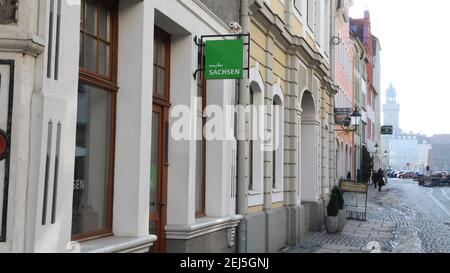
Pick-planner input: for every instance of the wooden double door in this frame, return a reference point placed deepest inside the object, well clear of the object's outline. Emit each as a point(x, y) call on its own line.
point(158, 183)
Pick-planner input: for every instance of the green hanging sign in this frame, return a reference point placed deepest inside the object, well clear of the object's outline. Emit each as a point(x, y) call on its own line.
point(224, 59)
point(387, 130)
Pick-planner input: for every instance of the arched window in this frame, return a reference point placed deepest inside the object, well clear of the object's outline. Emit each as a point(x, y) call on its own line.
point(277, 141)
point(256, 149)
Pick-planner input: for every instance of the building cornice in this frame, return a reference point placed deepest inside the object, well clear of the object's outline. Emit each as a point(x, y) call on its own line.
point(202, 227)
point(25, 43)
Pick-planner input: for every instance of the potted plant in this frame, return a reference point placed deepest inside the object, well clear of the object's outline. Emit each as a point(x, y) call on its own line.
point(342, 214)
point(332, 219)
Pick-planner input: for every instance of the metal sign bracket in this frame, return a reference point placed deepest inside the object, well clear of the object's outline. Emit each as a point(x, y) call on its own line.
point(200, 42)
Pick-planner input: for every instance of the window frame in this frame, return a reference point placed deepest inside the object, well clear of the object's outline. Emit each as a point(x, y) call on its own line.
point(107, 84)
point(105, 81)
point(310, 10)
point(296, 7)
point(165, 98)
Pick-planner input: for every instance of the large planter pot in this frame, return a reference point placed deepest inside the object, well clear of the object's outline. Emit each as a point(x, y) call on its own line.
point(331, 224)
point(342, 220)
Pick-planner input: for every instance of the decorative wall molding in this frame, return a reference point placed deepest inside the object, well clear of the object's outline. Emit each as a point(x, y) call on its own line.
point(201, 227)
point(25, 43)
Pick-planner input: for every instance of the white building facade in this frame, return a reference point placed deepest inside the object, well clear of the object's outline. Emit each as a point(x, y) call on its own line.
point(91, 90)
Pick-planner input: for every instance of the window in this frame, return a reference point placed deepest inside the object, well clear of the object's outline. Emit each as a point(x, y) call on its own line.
point(317, 22)
point(374, 133)
point(298, 5)
point(252, 137)
point(96, 37)
point(310, 14)
point(6, 110)
point(94, 152)
point(274, 152)
point(277, 140)
point(161, 64)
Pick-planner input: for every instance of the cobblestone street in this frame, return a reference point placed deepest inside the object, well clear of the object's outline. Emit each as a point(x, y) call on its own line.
point(404, 218)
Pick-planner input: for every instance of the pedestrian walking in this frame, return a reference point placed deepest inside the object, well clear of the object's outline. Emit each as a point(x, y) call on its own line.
point(359, 176)
point(380, 176)
point(349, 176)
point(375, 178)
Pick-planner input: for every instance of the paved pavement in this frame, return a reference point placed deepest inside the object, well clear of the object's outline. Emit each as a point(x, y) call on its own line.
point(404, 218)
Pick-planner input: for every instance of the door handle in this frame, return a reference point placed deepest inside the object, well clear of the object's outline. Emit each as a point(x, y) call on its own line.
point(162, 205)
point(166, 148)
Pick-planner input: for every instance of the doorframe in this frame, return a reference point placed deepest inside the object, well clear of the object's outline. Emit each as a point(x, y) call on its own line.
point(162, 102)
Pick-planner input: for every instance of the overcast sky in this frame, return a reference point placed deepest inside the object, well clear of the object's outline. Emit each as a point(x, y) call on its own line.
point(415, 43)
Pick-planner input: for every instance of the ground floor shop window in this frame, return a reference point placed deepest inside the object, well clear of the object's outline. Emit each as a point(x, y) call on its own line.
point(91, 214)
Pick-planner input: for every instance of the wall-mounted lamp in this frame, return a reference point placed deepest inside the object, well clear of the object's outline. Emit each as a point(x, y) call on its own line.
point(335, 40)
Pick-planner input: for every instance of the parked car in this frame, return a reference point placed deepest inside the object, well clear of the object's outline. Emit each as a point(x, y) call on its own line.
point(400, 174)
point(418, 176)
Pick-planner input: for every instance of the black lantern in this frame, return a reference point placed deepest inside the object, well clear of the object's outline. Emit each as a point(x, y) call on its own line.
point(356, 117)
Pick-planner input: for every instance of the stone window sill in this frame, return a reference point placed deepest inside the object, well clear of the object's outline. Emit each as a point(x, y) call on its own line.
point(115, 244)
point(201, 227)
point(3, 248)
point(253, 193)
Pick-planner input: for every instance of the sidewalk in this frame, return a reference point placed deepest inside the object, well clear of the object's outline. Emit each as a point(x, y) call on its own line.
point(357, 237)
point(378, 234)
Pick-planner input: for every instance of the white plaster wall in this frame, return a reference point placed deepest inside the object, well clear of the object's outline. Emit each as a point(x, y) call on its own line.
point(133, 128)
point(56, 101)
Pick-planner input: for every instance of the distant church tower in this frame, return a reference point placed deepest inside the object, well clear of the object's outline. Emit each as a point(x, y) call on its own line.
point(391, 110)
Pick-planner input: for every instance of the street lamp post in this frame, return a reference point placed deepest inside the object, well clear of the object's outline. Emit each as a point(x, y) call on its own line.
point(376, 156)
point(386, 165)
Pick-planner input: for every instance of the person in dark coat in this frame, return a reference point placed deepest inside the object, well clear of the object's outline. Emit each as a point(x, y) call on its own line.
point(349, 176)
point(359, 176)
point(375, 178)
point(380, 176)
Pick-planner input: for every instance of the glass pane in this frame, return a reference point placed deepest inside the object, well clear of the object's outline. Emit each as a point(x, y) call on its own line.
point(91, 24)
point(154, 172)
point(159, 81)
point(81, 49)
point(90, 210)
point(104, 21)
point(161, 53)
point(274, 167)
point(103, 59)
point(199, 177)
point(250, 175)
point(153, 229)
point(82, 15)
point(90, 54)
point(155, 50)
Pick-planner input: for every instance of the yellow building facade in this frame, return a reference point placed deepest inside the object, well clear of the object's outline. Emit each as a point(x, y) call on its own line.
point(290, 67)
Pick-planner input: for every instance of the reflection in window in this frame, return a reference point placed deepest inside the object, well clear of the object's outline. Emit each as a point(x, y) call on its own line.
point(90, 187)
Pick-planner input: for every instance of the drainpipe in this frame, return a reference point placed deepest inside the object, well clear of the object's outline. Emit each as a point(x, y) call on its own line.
point(333, 73)
point(243, 142)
